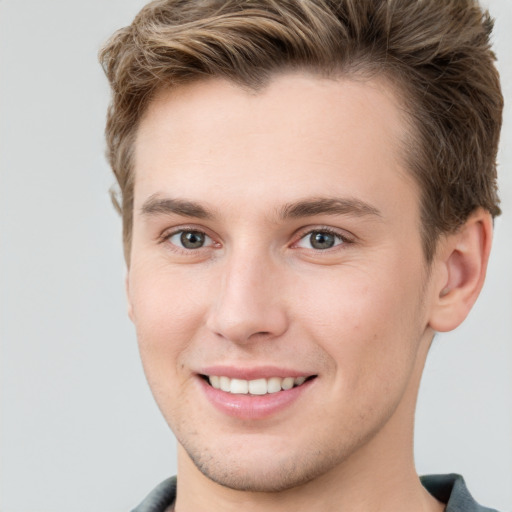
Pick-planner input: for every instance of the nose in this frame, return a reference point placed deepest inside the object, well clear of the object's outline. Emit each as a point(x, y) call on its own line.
point(249, 305)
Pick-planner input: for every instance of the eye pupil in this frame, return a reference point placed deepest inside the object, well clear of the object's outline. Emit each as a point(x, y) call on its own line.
point(192, 239)
point(322, 240)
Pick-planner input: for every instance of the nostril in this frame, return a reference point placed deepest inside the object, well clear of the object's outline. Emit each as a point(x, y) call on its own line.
point(261, 334)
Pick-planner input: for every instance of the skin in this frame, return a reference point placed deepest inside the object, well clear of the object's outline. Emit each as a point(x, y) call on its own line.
point(360, 316)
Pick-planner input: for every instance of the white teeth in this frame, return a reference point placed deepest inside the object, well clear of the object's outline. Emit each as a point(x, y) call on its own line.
point(299, 380)
point(274, 385)
point(225, 384)
point(255, 387)
point(287, 383)
point(239, 387)
point(258, 387)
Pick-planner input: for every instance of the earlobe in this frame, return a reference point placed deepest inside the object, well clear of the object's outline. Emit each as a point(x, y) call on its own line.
point(461, 264)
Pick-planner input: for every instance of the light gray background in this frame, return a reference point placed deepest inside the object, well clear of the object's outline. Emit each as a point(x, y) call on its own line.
point(80, 431)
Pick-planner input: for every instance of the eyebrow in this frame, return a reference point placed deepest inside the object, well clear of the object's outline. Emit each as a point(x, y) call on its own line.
point(155, 205)
point(328, 206)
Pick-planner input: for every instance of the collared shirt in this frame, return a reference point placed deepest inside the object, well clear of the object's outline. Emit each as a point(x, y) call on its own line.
point(449, 489)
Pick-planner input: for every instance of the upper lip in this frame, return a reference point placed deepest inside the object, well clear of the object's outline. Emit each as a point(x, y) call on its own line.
point(258, 372)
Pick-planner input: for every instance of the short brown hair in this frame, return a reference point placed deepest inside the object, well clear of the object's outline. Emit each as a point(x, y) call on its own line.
point(437, 51)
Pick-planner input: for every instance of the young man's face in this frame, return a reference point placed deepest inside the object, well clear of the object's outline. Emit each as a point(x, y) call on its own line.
point(276, 238)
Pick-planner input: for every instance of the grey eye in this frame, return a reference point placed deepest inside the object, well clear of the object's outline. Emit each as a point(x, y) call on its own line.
point(190, 239)
point(320, 240)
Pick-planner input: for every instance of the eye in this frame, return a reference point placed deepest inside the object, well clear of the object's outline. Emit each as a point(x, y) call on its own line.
point(190, 239)
point(320, 240)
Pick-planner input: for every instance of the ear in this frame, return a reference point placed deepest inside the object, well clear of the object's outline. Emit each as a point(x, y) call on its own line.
point(460, 266)
point(128, 297)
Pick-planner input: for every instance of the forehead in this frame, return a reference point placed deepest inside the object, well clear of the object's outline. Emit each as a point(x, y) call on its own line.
point(299, 131)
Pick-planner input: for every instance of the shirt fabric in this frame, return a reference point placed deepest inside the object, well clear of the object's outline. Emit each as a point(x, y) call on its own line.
point(449, 489)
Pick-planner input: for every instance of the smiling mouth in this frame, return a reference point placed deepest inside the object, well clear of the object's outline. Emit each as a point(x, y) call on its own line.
point(256, 386)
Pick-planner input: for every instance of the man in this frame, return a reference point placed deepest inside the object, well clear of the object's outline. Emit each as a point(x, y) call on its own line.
point(307, 192)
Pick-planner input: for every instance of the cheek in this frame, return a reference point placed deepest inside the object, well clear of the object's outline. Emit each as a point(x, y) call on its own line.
point(164, 302)
point(369, 324)
point(166, 313)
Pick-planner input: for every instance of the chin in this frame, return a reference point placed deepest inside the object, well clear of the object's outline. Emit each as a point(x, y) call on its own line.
point(259, 472)
point(265, 478)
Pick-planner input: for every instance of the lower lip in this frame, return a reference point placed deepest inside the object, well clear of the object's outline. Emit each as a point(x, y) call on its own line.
point(252, 407)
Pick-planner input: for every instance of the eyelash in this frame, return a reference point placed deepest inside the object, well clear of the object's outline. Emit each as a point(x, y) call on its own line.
point(166, 236)
point(344, 239)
